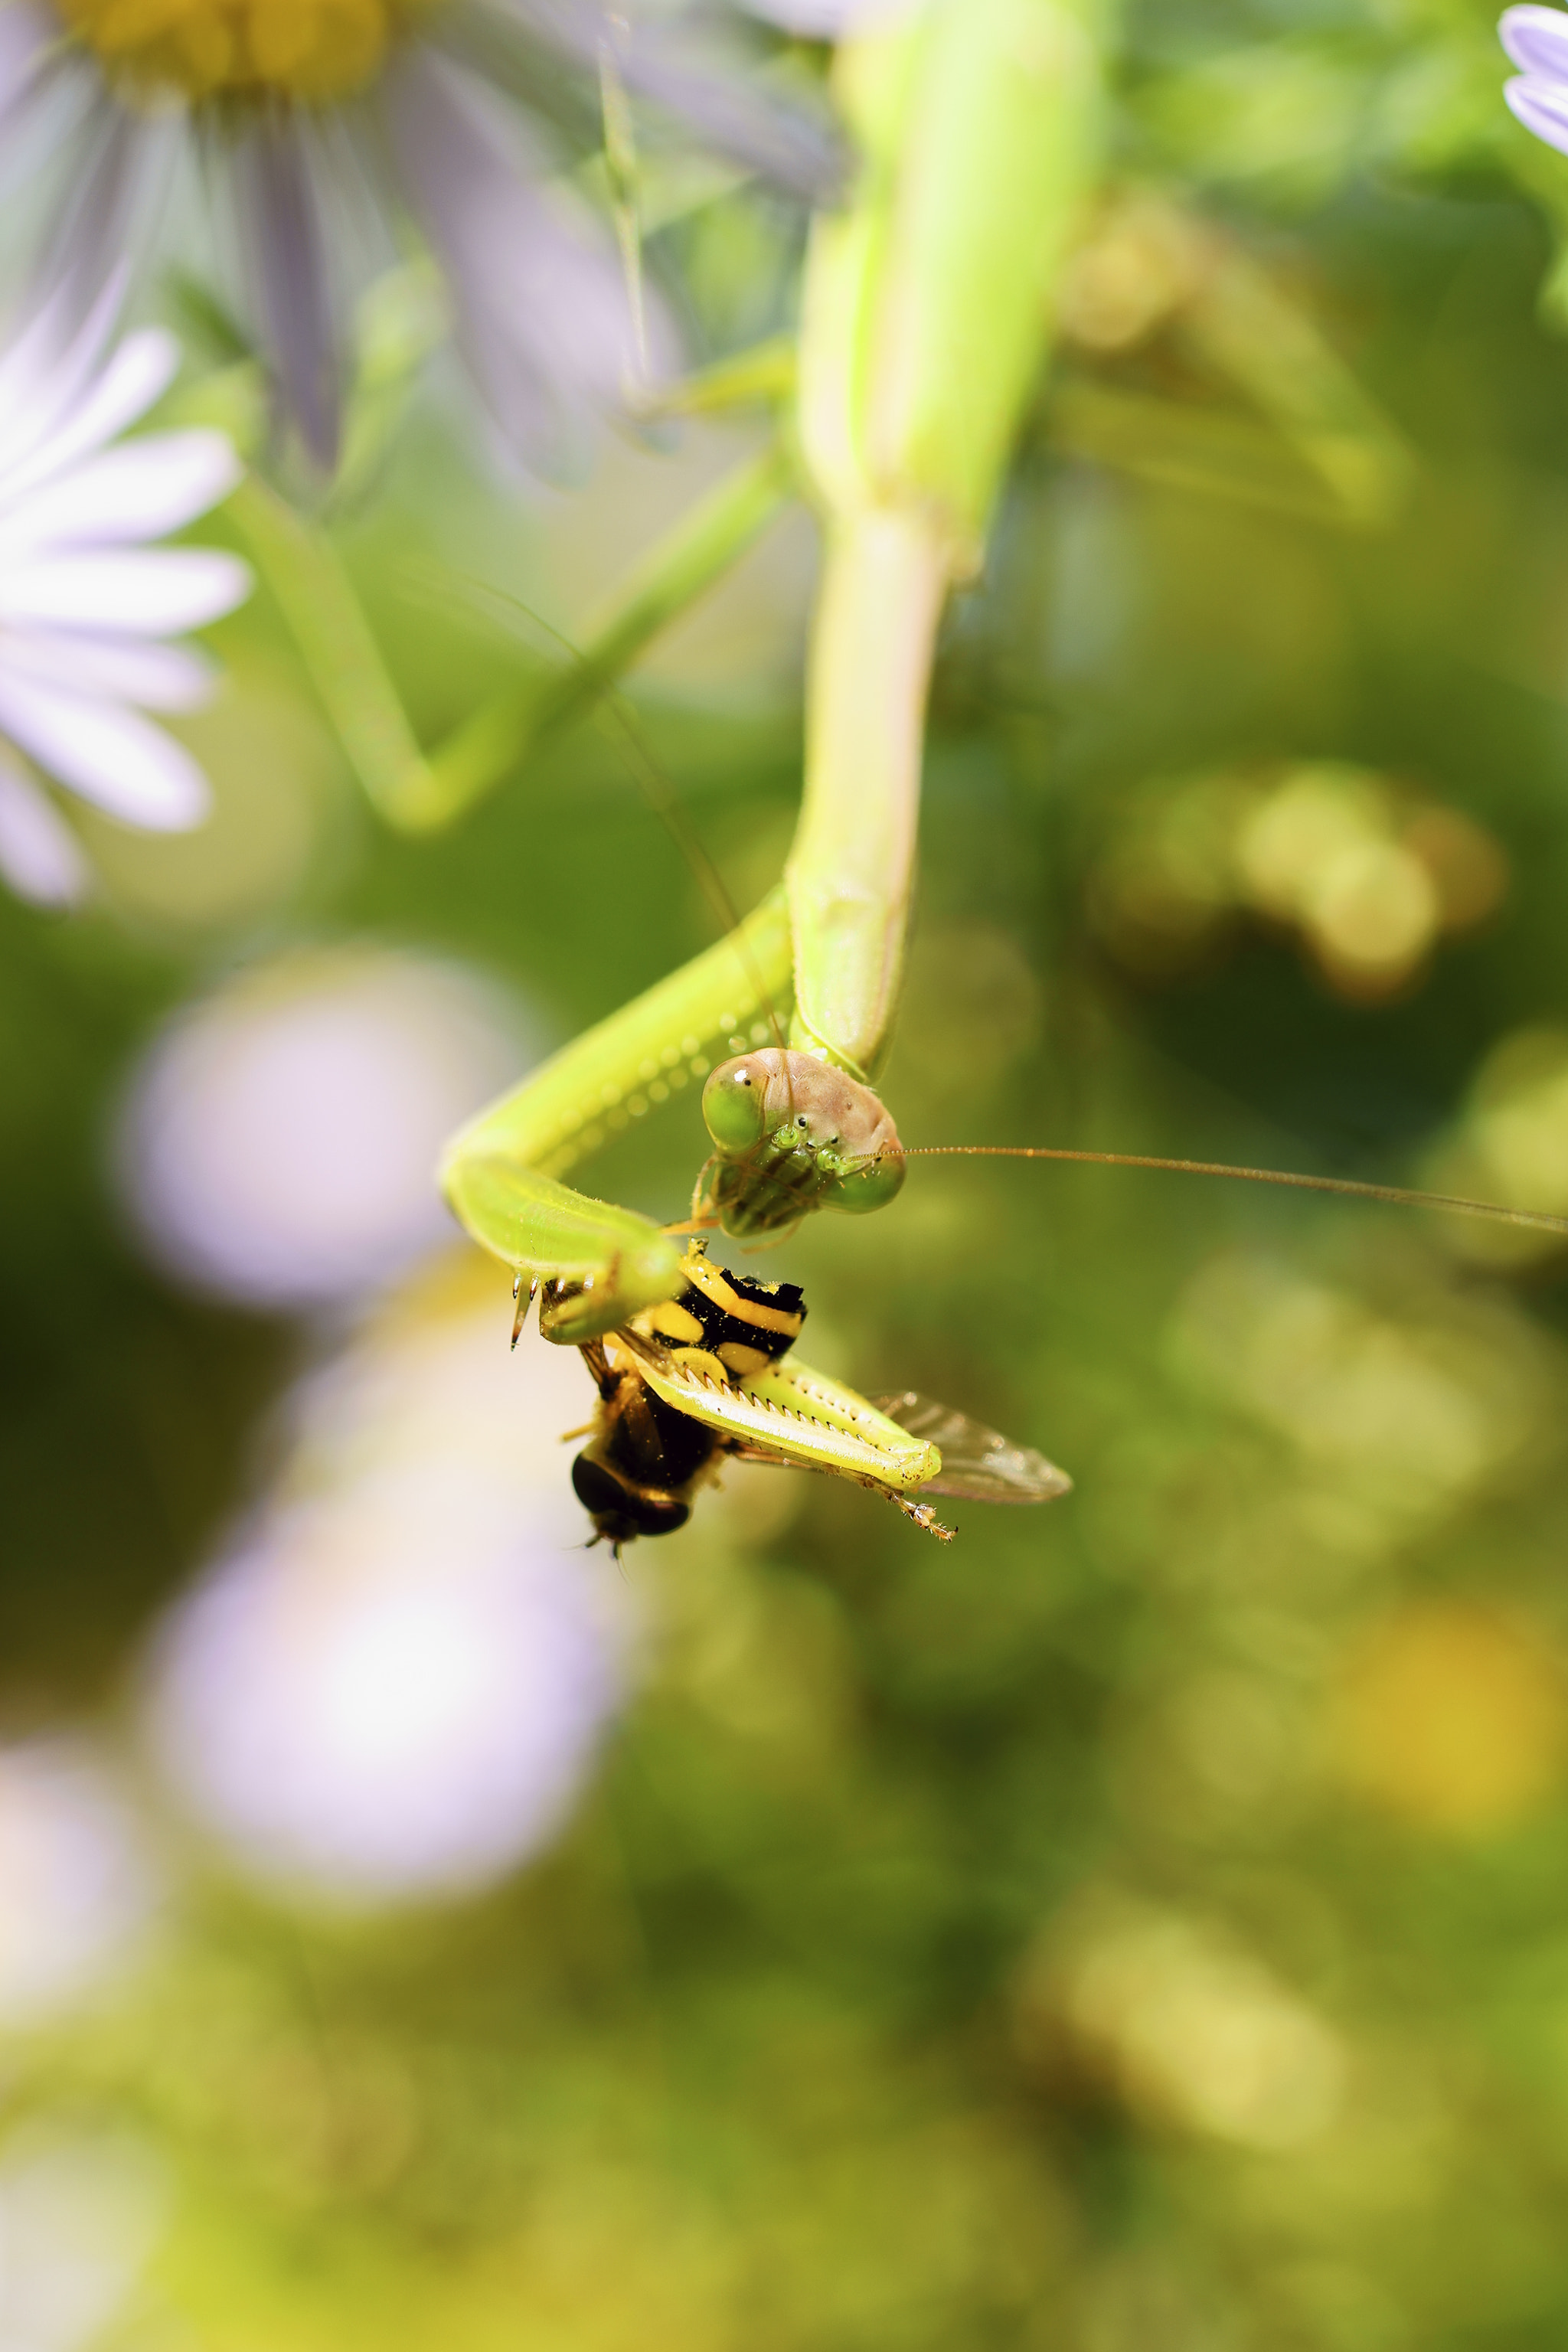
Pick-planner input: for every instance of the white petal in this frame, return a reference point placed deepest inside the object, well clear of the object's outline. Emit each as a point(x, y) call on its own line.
point(50, 365)
point(113, 758)
point(140, 370)
point(25, 40)
point(136, 492)
point(1537, 40)
point(158, 677)
point(1542, 107)
point(39, 855)
point(145, 595)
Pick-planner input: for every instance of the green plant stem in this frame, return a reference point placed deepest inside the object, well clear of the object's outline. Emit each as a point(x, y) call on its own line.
point(318, 604)
point(418, 793)
point(700, 548)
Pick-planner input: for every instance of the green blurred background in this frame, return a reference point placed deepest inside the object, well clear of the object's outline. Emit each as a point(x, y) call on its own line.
point(1144, 1922)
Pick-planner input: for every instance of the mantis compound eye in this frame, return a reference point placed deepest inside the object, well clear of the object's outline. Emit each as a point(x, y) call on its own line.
point(734, 1105)
point(871, 1187)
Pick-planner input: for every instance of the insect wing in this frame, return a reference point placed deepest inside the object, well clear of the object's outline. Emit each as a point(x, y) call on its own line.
point(976, 1463)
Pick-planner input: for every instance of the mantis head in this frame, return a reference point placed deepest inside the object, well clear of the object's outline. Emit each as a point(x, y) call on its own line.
point(792, 1132)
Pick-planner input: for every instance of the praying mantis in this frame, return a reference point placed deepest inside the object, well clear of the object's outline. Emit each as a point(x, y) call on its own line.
point(927, 307)
point(927, 311)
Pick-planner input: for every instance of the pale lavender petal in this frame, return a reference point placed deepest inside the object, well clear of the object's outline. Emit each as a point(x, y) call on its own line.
point(48, 365)
point(158, 677)
point(280, 227)
point(542, 315)
point(1542, 107)
point(25, 37)
point(140, 373)
point(1537, 40)
point(154, 593)
point(117, 198)
point(121, 763)
point(136, 492)
point(39, 855)
point(732, 111)
point(706, 78)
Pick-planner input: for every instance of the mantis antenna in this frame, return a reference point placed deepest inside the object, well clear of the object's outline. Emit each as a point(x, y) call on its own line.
point(661, 799)
point(643, 766)
point(655, 789)
point(1537, 1220)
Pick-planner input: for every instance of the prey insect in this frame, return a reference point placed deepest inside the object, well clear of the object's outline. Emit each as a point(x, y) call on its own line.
point(707, 1376)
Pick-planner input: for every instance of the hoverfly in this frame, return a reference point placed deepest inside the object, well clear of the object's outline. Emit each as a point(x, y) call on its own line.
point(707, 1376)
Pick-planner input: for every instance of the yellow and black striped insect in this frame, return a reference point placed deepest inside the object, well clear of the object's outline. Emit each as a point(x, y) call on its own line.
point(701, 1379)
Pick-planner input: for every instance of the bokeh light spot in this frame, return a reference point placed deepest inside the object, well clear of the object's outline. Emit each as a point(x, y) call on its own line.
point(77, 1883)
point(281, 1138)
point(1454, 1718)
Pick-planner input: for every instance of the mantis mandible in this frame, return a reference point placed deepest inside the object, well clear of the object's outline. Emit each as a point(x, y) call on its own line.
point(927, 313)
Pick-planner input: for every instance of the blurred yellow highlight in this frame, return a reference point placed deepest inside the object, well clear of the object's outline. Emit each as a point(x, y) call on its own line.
point(1413, 1409)
point(306, 50)
point(1184, 2024)
point(1317, 854)
point(1454, 1718)
point(273, 772)
point(1369, 878)
point(1511, 1144)
point(1145, 260)
point(1293, 426)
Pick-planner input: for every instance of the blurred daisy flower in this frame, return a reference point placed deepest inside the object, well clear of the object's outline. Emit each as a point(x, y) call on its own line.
point(394, 1684)
point(331, 126)
point(89, 608)
point(1537, 41)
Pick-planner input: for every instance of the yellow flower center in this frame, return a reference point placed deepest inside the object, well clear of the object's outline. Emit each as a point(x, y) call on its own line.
point(310, 51)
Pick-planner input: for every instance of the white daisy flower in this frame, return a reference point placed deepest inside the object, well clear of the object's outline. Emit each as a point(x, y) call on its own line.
point(90, 609)
point(328, 126)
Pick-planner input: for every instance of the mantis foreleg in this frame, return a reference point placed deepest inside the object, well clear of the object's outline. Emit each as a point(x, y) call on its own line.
point(502, 1171)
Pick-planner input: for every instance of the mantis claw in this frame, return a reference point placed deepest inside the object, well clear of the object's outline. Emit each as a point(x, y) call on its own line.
point(521, 1318)
point(599, 1265)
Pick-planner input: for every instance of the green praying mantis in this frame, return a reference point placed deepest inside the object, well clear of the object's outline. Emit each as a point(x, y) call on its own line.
point(927, 308)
